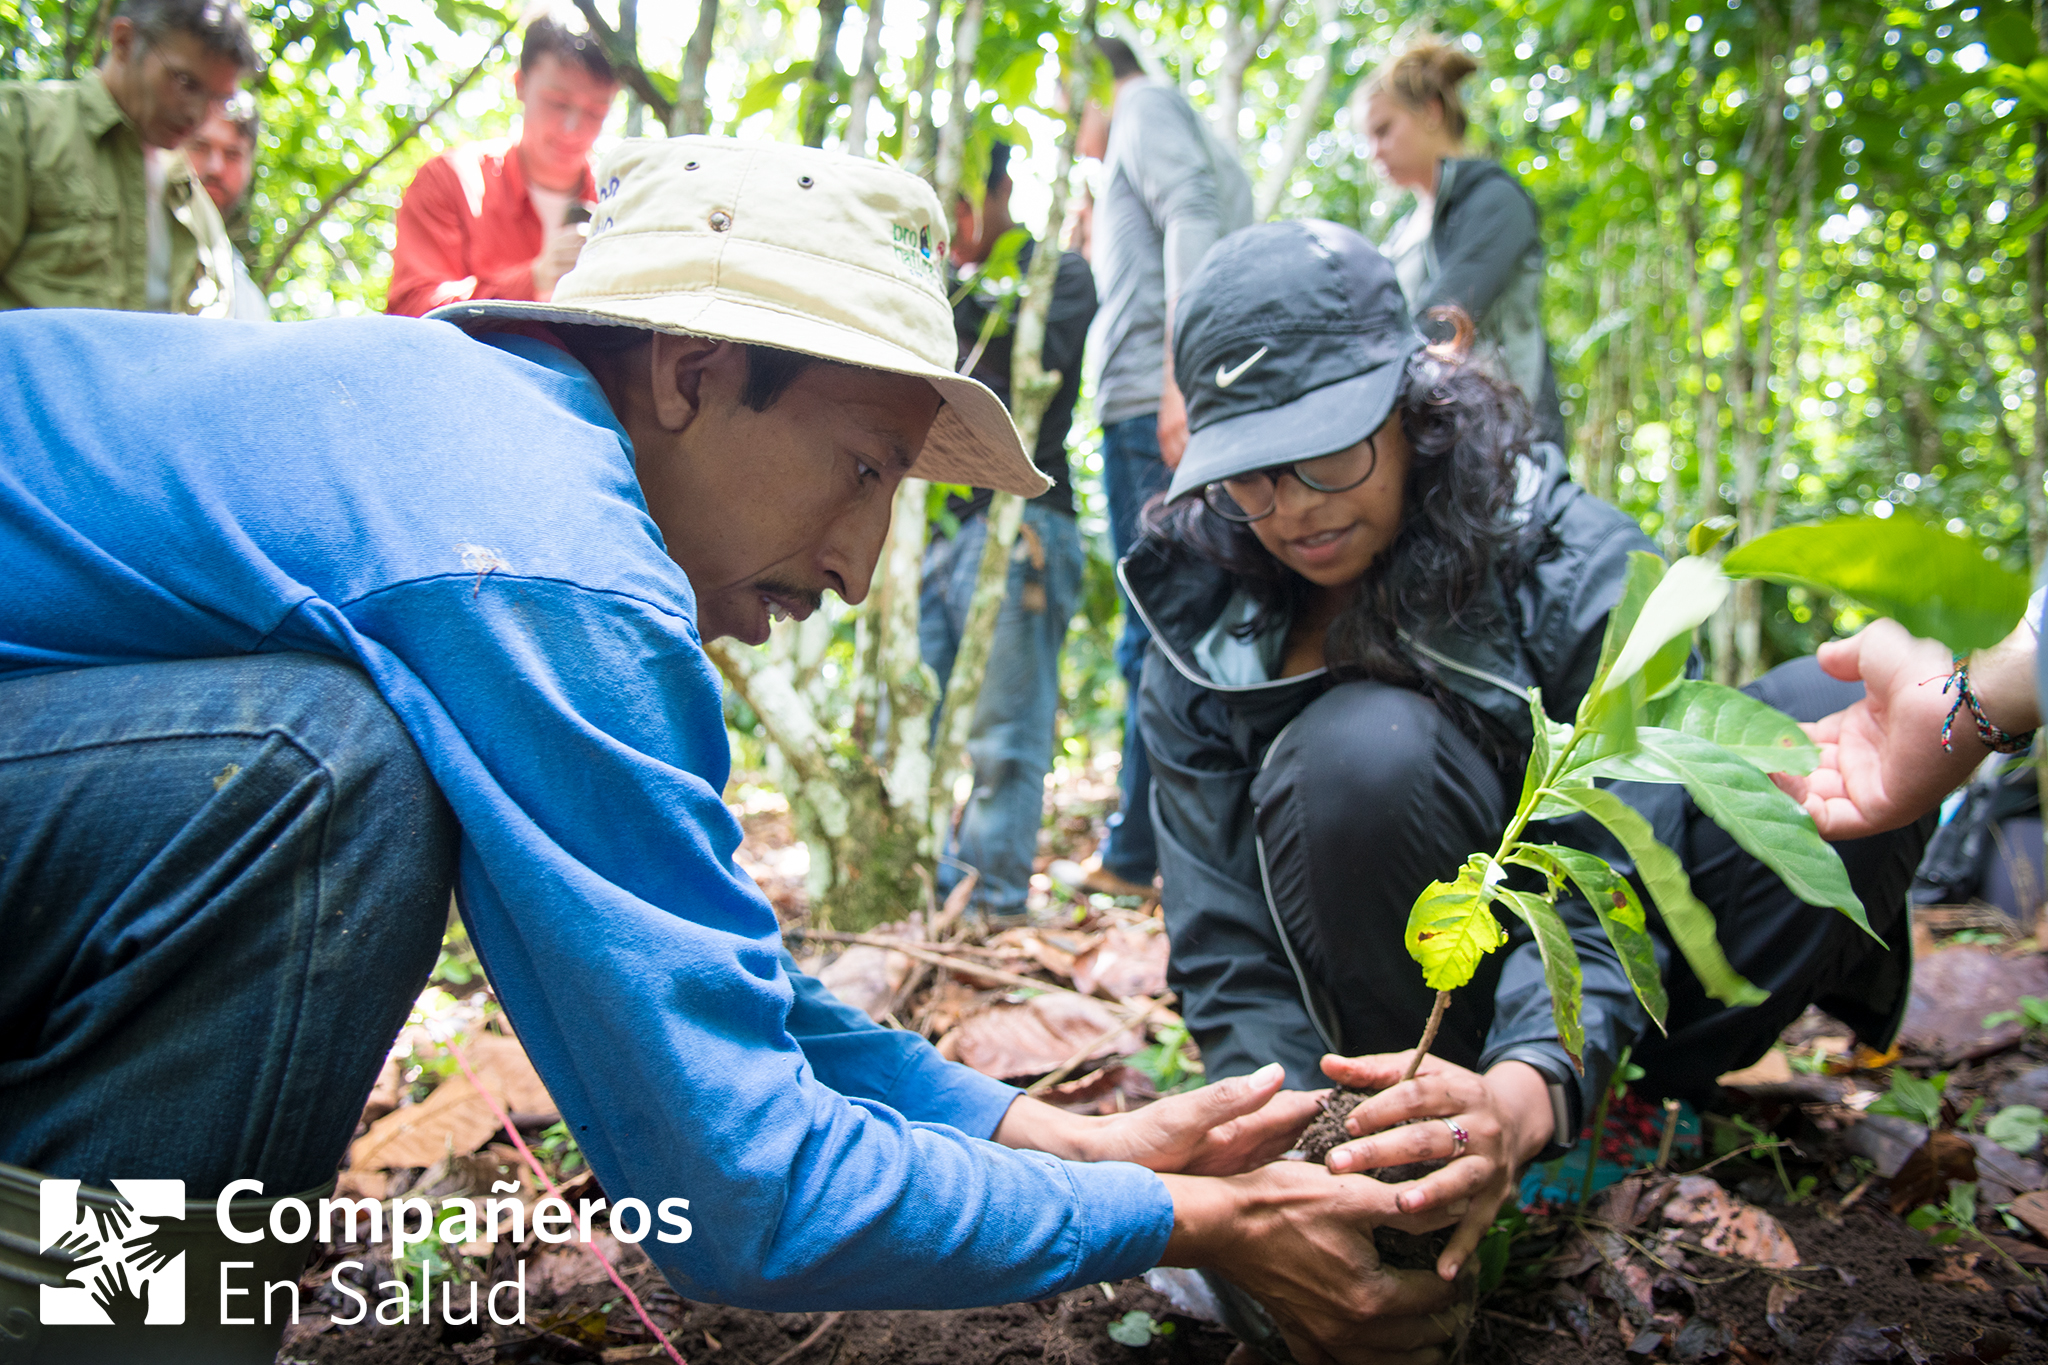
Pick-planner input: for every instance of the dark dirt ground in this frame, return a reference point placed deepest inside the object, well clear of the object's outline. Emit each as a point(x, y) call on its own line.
point(1069, 1330)
point(1846, 1280)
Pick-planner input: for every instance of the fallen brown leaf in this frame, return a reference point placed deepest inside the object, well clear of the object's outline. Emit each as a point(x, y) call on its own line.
point(456, 1118)
point(1128, 960)
point(1925, 1177)
point(1015, 1041)
point(1728, 1225)
point(2032, 1209)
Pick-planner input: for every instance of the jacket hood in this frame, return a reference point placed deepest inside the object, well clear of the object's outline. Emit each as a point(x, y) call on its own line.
point(1458, 177)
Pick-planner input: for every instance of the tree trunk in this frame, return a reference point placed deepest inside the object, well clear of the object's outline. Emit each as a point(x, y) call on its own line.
point(1805, 25)
point(1306, 117)
point(1707, 421)
point(1244, 36)
point(820, 93)
point(922, 153)
point(855, 139)
point(691, 113)
point(949, 164)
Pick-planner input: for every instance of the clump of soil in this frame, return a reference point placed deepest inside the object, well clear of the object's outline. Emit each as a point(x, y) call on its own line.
point(1398, 1249)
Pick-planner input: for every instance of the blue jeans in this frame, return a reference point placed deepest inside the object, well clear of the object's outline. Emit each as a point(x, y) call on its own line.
point(222, 885)
point(1132, 473)
point(1015, 716)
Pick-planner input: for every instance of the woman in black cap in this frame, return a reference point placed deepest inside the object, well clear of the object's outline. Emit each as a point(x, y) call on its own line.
point(1362, 565)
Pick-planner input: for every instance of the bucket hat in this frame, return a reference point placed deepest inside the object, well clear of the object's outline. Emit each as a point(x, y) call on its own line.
point(817, 252)
point(1290, 341)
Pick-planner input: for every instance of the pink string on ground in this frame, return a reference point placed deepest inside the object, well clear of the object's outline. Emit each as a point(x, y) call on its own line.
point(541, 1175)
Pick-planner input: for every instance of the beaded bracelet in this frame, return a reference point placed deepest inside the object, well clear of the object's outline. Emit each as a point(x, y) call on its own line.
point(1993, 738)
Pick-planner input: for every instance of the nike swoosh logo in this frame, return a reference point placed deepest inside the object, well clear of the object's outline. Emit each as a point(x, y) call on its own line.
point(1226, 375)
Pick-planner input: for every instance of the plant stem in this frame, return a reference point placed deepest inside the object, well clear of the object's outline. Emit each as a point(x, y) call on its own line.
point(1593, 1152)
point(1436, 1019)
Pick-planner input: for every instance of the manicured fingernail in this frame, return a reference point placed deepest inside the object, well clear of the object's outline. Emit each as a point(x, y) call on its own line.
point(1340, 1161)
point(1266, 1074)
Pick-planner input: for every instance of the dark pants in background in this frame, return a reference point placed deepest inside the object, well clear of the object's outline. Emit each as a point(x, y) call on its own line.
point(1372, 793)
point(1132, 473)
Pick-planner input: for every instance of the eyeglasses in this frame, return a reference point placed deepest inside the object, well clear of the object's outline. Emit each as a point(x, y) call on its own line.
point(1252, 497)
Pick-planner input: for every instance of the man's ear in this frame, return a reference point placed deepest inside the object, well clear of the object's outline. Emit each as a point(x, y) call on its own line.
point(121, 41)
point(519, 86)
point(677, 365)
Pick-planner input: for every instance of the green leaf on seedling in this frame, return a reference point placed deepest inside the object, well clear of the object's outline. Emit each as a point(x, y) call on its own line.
point(1560, 966)
point(1645, 571)
point(1539, 748)
point(2017, 1128)
point(1135, 1328)
point(1705, 535)
point(1691, 923)
point(1770, 826)
point(1687, 594)
point(1932, 582)
point(1754, 731)
point(1450, 929)
point(1621, 914)
point(1910, 1097)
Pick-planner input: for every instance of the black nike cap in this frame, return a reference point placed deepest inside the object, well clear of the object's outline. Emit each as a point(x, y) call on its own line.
point(1289, 342)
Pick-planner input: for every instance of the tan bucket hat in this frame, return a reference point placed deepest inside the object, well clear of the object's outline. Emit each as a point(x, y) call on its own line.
point(830, 255)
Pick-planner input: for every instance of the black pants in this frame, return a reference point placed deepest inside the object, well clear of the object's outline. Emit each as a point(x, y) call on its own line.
point(1372, 793)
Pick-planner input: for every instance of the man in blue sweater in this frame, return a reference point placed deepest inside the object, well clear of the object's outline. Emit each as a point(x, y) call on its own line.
point(303, 623)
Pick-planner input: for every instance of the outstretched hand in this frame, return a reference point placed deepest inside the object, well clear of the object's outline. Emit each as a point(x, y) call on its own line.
point(1881, 761)
point(1505, 1116)
point(1221, 1129)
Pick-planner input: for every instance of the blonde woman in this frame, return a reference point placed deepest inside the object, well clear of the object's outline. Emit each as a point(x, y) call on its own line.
point(1474, 238)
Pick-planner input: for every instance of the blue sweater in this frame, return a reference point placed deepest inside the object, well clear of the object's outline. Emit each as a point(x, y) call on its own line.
point(460, 520)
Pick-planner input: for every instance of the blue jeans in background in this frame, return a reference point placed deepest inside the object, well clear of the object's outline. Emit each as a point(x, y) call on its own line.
point(1132, 473)
point(223, 883)
point(1017, 713)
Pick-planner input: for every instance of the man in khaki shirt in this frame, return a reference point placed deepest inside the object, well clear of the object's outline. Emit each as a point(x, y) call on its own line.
point(94, 210)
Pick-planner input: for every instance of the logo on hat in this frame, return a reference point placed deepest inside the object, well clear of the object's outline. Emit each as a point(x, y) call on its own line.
point(1226, 375)
point(120, 1272)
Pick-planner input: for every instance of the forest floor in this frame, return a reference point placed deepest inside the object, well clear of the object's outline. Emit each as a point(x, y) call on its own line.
point(1838, 1207)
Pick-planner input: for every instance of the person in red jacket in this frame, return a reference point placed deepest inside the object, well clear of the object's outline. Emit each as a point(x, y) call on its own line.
point(504, 220)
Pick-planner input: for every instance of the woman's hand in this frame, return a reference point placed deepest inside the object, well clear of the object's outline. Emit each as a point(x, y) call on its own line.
point(1222, 1129)
point(1505, 1116)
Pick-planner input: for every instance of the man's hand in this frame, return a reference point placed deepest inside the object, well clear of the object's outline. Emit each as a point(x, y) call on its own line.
point(557, 258)
point(1505, 1114)
point(1173, 422)
point(1221, 1129)
point(1299, 1240)
point(1881, 760)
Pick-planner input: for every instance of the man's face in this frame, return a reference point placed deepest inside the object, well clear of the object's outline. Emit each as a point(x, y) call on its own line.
point(766, 511)
point(167, 88)
point(565, 109)
point(222, 159)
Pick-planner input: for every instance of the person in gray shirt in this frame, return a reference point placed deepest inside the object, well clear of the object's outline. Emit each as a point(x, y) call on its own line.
point(1171, 191)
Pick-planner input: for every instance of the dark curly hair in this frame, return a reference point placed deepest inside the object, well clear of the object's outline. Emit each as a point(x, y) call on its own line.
point(1465, 431)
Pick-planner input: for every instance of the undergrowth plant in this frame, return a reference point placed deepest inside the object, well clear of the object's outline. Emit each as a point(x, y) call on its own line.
point(1643, 720)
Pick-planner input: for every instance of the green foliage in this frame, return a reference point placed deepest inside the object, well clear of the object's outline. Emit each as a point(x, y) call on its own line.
point(557, 1150)
point(1165, 1062)
point(1136, 1328)
point(2017, 1127)
point(2033, 1012)
point(1946, 1223)
point(1931, 581)
point(1450, 929)
point(1910, 1097)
